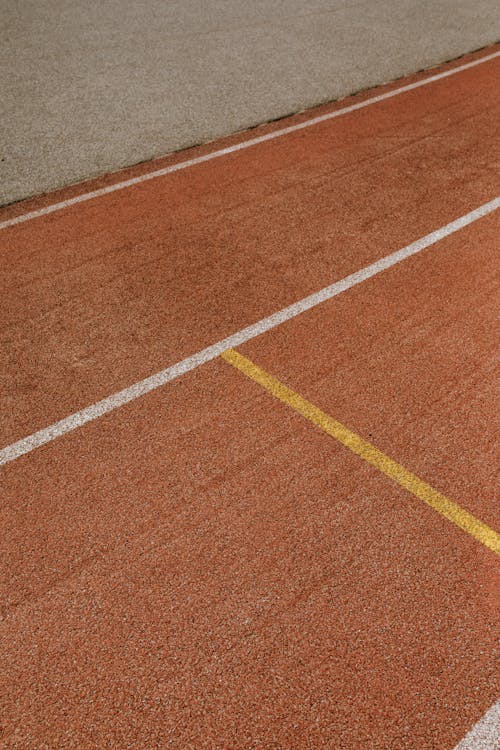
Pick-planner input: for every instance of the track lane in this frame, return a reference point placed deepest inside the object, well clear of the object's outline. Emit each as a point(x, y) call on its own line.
point(123, 287)
point(136, 390)
point(280, 588)
point(408, 361)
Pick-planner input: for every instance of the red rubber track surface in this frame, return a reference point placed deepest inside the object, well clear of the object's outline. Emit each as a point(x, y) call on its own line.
point(202, 567)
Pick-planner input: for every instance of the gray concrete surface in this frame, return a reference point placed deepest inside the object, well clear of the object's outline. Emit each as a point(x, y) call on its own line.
point(94, 85)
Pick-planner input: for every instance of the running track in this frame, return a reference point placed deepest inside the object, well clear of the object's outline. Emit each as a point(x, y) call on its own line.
point(293, 544)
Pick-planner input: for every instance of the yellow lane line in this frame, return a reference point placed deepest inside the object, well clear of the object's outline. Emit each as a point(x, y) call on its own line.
point(356, 444)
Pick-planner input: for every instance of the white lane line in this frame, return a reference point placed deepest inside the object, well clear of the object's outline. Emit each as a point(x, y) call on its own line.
point(485, 735)
point(239, 146)
point(89, 413)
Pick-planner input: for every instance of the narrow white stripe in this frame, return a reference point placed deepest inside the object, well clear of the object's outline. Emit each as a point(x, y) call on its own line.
point(239, 146)
point(485, 735)
point(27, 444)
